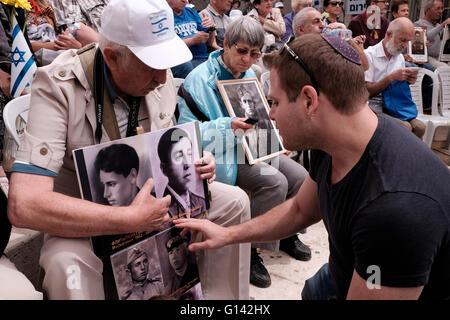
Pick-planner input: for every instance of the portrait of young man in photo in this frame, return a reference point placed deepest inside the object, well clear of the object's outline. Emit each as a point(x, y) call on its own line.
point(175, 152)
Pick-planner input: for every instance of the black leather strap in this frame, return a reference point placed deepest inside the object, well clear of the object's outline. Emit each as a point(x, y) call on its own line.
point(191, 105)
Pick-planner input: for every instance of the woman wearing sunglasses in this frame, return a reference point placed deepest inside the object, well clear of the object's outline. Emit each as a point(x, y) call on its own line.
point(243, 41)
point(332, 11)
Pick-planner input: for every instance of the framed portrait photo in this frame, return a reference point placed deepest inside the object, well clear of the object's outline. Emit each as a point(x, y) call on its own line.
point(244, 98)
point(445, 45)
point(417, 48)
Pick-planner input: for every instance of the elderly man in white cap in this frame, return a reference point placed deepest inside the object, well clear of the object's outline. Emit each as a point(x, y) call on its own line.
point(280, 5)
point(97, 95)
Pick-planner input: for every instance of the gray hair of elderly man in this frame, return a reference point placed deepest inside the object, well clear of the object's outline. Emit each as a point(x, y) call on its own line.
point(429, 3)
point(297, 5)
point(123, 51)
point(246, 30)
point(300, 19)
point(400, 24)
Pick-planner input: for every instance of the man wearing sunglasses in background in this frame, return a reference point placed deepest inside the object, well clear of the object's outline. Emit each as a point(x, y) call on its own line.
point(362, 23)
point(268, 185)
point(387, 215)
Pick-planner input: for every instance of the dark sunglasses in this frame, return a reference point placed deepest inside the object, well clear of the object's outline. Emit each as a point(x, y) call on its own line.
point(244, 51)
point(301, 63)
point(336, 3)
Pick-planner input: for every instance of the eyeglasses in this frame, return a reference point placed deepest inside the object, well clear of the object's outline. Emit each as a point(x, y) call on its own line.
point(244, 51)
point(339, 3)
point(301, 63)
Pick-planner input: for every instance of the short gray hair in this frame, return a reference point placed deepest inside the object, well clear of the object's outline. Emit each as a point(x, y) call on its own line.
point(300, 19)
point(400, 24)
point(123, 51)
point(295, 4)
point(430, 3)
point(247, 30)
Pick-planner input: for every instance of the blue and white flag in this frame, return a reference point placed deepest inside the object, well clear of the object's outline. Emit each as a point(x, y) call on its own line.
point(23, 65)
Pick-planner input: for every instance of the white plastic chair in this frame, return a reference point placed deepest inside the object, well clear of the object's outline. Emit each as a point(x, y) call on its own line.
point(443, 74)
point(265, 82)
point(16, 107)
point(434, 120)
point(15, 115)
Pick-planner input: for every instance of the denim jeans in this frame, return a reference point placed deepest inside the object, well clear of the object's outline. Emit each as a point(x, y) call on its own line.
point(321, 286)
point(182, 70)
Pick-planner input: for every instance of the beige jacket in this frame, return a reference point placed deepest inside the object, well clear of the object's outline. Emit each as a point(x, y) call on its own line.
point(275, 24)
point(62, 118)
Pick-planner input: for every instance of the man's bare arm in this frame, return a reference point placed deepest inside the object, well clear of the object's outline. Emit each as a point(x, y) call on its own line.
point(33, 204)
point(405, 74)
point(284, 220)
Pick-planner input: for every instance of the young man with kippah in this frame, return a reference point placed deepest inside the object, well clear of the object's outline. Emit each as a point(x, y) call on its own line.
point(387, 215)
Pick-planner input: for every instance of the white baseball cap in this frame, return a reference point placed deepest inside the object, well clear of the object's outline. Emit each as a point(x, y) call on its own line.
point(146, 27)
point(279, 5)
point(235, 14)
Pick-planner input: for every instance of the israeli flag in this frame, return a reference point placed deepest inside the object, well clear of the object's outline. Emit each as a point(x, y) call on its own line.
point(23, 65)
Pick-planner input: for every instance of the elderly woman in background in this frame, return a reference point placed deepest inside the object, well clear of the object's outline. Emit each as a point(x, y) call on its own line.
point(243, 41)
point(332, 11)
point(271, 20)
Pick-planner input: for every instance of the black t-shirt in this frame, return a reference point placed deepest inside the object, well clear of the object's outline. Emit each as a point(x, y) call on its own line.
point(5, 226)
point(392, 210)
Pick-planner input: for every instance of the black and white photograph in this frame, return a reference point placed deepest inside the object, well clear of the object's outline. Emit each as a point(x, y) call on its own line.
point(178, 265)
point(112, 173)
point(137, 271)
point(115, 170)
point(417, 48)
point(445, 45)
point(244, 98)
point(176, 150)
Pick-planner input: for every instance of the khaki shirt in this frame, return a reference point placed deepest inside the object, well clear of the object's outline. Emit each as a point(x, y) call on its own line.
point(62, 118)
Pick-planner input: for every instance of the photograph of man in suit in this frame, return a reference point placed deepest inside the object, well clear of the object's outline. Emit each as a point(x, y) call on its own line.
point(117, 166)
point(176, 155)
point(258, 139)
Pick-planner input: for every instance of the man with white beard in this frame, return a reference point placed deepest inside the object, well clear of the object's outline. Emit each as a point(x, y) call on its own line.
point(387, 65)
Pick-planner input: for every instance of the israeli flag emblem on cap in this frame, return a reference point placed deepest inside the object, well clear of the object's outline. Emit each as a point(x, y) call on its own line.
point(160, 24)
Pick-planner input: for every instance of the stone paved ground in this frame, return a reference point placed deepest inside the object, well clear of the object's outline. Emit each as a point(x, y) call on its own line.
point(289, 275)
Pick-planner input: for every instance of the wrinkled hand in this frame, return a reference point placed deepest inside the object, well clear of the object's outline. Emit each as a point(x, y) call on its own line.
point(359, 40)
point(214, 236)
point(65, 42)
point(405, 74)
point(201, 37)
point(207, 22)
point(240, 127)
point(5, 83)
point(206, 166)
point(149, 212)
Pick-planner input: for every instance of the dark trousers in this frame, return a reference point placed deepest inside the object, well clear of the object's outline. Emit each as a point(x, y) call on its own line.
point(320, 286)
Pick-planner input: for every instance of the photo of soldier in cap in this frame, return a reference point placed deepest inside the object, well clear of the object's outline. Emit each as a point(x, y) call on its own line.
point(178, 264)
point(137, 271)
point(418, 45)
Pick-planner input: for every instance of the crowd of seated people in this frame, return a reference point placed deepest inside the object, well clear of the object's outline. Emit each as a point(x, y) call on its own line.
point(346, 185)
